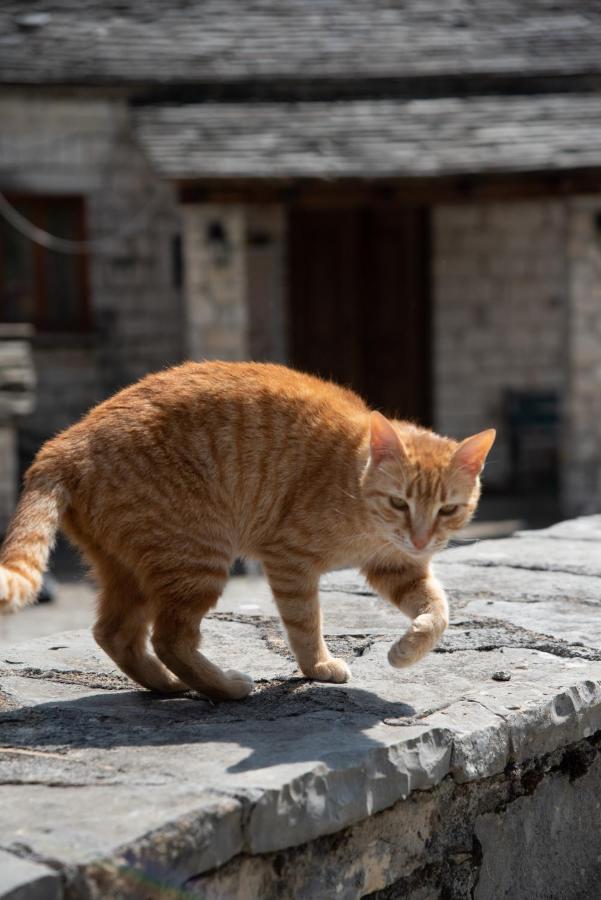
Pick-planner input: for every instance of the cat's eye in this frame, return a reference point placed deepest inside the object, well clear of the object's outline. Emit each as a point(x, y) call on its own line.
point(448, 510)
point(399, 503)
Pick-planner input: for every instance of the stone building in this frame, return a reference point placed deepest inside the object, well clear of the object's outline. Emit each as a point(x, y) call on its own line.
point(405, 197)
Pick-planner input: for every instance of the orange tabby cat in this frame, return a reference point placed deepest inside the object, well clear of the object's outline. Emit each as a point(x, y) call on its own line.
point(164, 484)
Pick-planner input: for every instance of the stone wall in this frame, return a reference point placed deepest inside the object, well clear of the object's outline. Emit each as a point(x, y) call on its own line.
point(581, 450)
point(516, 306)
point(17, 392)
point(474, 775)
point(8, 472)
point(516, 287)
point(215, 273)
point(452, 842)
point(82, 145)
point(500, 312)
point(235, 294)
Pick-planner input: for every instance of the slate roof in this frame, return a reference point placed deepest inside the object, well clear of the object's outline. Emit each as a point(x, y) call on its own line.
point(372, 138)
point(397, 87)
point(174, 41)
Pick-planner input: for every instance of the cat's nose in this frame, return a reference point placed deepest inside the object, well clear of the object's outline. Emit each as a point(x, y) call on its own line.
point(419, 541)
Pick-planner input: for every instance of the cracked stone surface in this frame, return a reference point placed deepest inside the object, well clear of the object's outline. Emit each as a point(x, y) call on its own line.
point(113, 791)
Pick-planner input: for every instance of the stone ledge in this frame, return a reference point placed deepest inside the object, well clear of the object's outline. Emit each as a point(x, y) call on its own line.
point(122, 792)
point(21, 879)
point(435, 843)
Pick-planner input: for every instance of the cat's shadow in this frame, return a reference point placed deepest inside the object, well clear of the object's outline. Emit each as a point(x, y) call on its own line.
point(285, 721)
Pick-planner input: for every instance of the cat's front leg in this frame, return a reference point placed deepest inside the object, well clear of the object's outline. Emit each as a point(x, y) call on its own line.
point(421, 597)
point(296, 594)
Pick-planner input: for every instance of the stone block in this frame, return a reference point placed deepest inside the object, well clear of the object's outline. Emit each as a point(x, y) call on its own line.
point(21, 879)
point(531, 832)
point(398, 781)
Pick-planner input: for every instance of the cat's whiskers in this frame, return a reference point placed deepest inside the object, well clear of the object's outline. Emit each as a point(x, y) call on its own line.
point(387, 545)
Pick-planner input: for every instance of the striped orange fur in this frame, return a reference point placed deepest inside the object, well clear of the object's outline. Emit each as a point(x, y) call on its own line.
point(164, 484)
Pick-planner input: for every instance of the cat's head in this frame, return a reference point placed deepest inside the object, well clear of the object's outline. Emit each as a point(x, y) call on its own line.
point(421, 488)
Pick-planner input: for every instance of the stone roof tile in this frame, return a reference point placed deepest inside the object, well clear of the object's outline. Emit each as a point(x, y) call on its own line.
point(375, 138)
point(128, 42)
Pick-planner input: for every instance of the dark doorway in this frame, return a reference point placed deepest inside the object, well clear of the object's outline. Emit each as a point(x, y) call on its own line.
point(359, 303)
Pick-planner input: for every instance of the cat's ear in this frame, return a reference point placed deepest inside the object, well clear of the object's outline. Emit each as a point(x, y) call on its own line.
point(384, 442)
point(472, 452)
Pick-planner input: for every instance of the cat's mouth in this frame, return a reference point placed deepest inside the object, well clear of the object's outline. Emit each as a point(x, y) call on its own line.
point(410, 549)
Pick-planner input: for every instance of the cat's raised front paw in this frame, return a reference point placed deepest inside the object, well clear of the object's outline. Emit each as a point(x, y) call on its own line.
point(400, 655)
point(240, 685)
point(409, 649)
point(333, 669)
point(418, 640)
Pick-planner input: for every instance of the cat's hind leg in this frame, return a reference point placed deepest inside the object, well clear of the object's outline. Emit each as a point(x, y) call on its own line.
point(182, 600)
point(121, 628)
point(296, 593)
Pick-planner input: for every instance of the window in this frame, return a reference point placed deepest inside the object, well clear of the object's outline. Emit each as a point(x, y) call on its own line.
point(41, 286)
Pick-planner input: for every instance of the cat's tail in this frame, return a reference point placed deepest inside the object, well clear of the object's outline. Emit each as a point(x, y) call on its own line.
point(29, 540)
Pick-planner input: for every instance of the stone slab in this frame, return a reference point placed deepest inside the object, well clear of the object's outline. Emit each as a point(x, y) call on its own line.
point(21, 879)
point(533, 552)
point(526, 835)
point(585, 528)
point(349, 604)
point(107, 783)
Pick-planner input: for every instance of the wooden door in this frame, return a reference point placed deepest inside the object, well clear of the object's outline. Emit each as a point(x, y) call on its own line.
point(359, 303)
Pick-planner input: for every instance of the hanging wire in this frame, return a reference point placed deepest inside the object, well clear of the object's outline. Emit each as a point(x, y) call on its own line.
point(115, 142)
point(64, 245)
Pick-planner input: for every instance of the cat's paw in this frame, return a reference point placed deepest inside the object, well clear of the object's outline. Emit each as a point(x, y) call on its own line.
point(409, 649)
point(333, 669)
point(239, 685)
point(400, 655)
point(418, 640)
